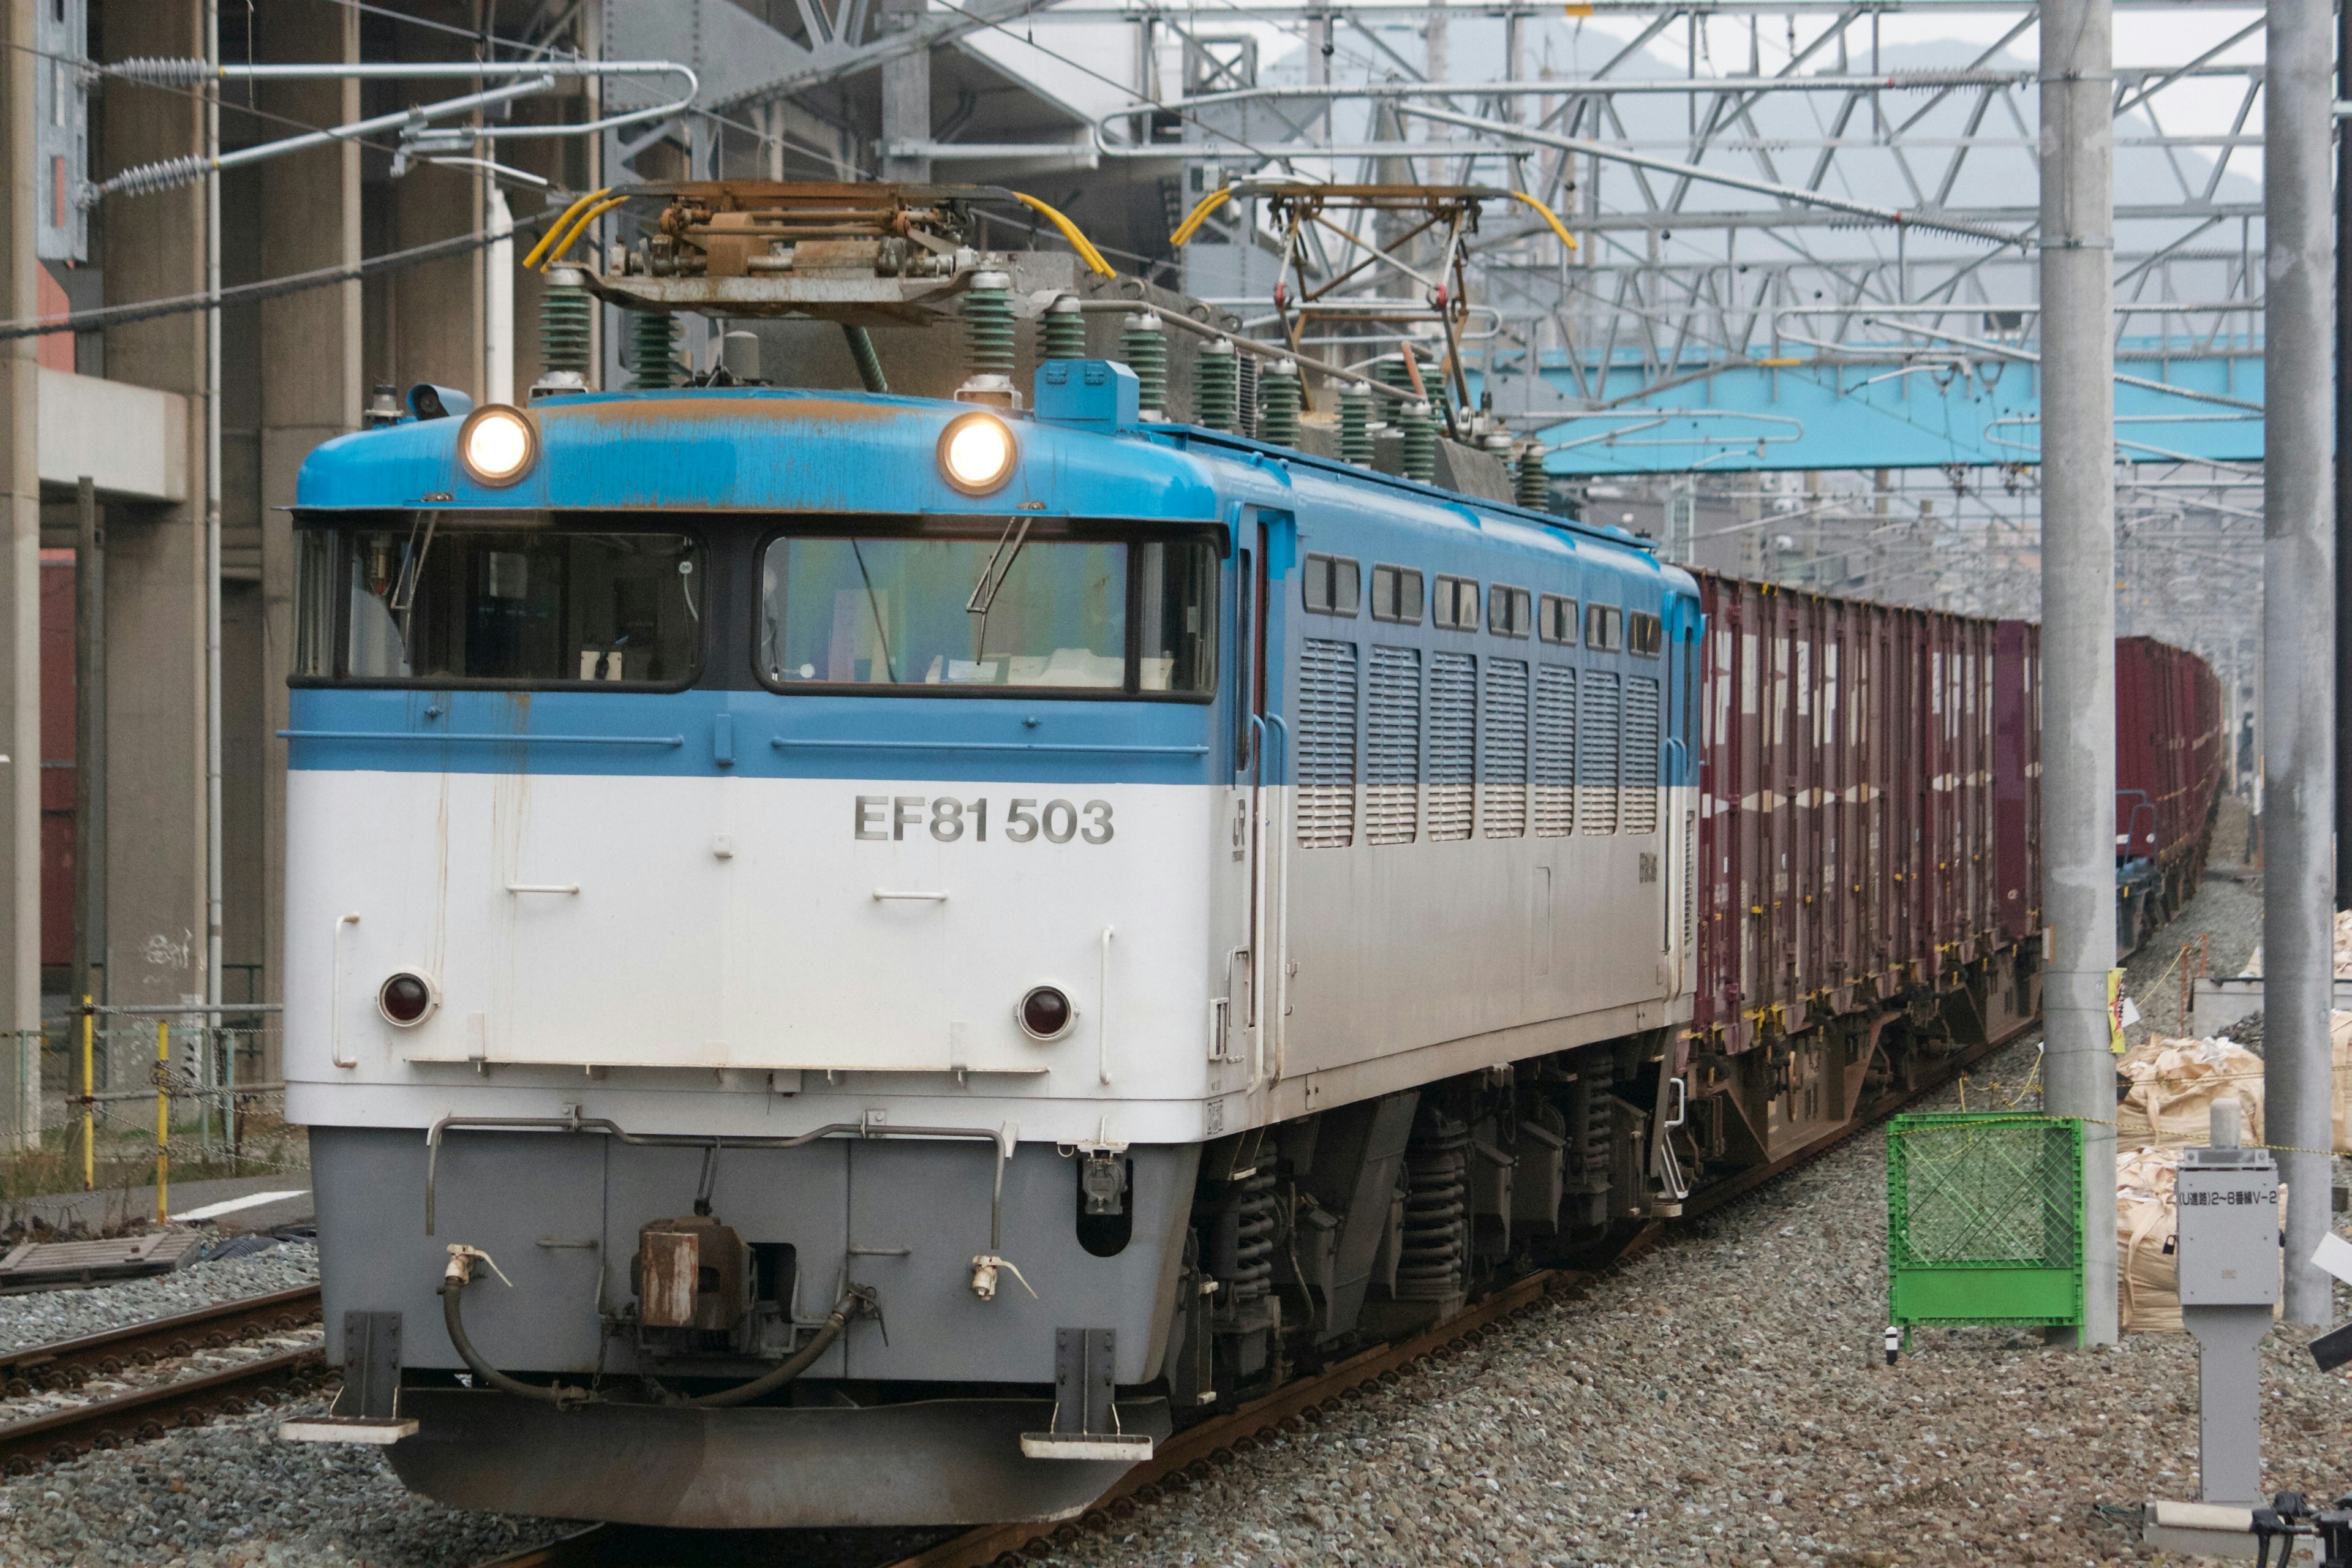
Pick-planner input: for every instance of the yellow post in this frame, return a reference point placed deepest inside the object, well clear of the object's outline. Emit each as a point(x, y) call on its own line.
point(163, 1120)
point(88, 1104)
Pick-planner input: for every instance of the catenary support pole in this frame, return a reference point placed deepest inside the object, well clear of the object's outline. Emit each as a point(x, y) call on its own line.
point(2078, 611)
point(20, 601)
point(2343, 481)
point(216, 872)
point(2298, 629)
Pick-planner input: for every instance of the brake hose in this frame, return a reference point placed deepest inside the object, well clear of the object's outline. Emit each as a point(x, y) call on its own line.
point(855, 1300)
point(460, 1274)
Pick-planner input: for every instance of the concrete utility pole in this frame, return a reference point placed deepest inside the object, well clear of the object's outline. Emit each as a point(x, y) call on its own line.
point(906, 101)
point(2298, 628)
point(2078, 611)
point(2343, 481)
point(20, 603)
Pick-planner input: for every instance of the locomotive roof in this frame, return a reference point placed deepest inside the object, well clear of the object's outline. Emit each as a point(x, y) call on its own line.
point(771, 449)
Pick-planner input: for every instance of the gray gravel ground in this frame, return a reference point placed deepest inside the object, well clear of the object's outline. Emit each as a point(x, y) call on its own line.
point(1720, 1402)
point(44, 1316)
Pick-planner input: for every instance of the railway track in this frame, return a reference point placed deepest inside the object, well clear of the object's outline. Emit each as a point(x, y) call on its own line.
point(1216, 1441)
point(144, 1414)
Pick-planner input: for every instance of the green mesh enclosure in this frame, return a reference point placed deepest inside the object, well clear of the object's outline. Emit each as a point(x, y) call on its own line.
point(1984, 1219)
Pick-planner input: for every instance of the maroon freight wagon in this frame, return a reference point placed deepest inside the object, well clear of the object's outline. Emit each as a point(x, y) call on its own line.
point(1870, 781)
point(1857, 764)
point(2168, 767)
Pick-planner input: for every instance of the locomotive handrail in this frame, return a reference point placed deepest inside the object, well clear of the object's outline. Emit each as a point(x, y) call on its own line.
point(1102, 1023)
point(816, 743)
point(435, 737)
point(335, 998)
point(999, 1141)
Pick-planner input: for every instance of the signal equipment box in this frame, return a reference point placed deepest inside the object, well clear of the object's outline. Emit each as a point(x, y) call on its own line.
point(2229, 1227)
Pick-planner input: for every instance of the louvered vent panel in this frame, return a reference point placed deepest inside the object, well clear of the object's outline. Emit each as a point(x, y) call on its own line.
point(1503, 760)
point(1453, 743)
point(1392, 757)
point(1640, 812)
point(1555, 749)
point(1326, 773)
point(1596, 754)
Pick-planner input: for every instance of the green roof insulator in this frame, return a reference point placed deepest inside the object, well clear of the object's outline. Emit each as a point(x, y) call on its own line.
point(1143, 344)
point(988, 324)
point(1420, 433)
point(653, 349)
point(1216, 387)
point(1534, 480)
point(1356, 425)
point(566, 323)
point(1279, 395)
point(1064, 330)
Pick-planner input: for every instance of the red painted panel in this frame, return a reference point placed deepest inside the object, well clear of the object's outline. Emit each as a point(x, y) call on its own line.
point(1850, 842)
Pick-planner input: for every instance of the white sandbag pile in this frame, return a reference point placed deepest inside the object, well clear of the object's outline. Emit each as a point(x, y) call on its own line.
point(2174, 1083)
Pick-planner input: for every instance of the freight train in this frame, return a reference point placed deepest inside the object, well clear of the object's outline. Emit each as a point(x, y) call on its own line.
point(859, 958)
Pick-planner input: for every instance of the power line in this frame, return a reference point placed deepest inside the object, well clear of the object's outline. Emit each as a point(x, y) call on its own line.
point(269, 289)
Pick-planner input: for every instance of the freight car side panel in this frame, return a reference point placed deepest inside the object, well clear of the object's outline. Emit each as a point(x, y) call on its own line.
point(1849, 775)
point(2017, 777)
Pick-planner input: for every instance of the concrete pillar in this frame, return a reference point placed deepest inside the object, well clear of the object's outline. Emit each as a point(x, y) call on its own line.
point(2299, 628)
point(155, 568)
point(436, 308)
point(905, 98)
point(20, 607)
point(2078, 611)
point(311, 377)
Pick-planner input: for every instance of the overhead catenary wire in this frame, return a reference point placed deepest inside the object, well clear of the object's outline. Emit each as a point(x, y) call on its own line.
point(254, 293)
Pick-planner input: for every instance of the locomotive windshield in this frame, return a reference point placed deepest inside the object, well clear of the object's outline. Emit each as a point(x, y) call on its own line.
point(446, 601)
point(1003, 608)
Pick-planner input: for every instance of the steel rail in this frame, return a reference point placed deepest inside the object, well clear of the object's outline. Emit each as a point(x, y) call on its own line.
point(144, 1414)
point(70, 1363)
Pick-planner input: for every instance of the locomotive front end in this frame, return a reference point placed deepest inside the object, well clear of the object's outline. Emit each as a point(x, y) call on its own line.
point(752, 942)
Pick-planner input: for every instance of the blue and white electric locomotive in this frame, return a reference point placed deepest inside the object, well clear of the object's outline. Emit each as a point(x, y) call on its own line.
point(855, 958)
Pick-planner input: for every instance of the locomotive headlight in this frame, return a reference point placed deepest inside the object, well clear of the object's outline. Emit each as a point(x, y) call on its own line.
point(1044, 1013)
point(976, 453)
point(497, 444)
point(406, 999)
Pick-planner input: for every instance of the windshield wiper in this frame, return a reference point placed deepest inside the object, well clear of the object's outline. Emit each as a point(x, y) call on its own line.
point(992, 581)
point(873, 606)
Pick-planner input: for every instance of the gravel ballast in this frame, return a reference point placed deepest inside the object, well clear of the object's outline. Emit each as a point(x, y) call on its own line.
point(1722, 1401)
point(40, 1317)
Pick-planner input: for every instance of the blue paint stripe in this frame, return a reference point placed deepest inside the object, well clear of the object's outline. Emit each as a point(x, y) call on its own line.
point(751, 734)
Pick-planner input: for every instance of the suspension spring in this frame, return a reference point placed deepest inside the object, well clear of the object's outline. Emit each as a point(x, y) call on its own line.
point(1254, 1239)
point(1435, 1247)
